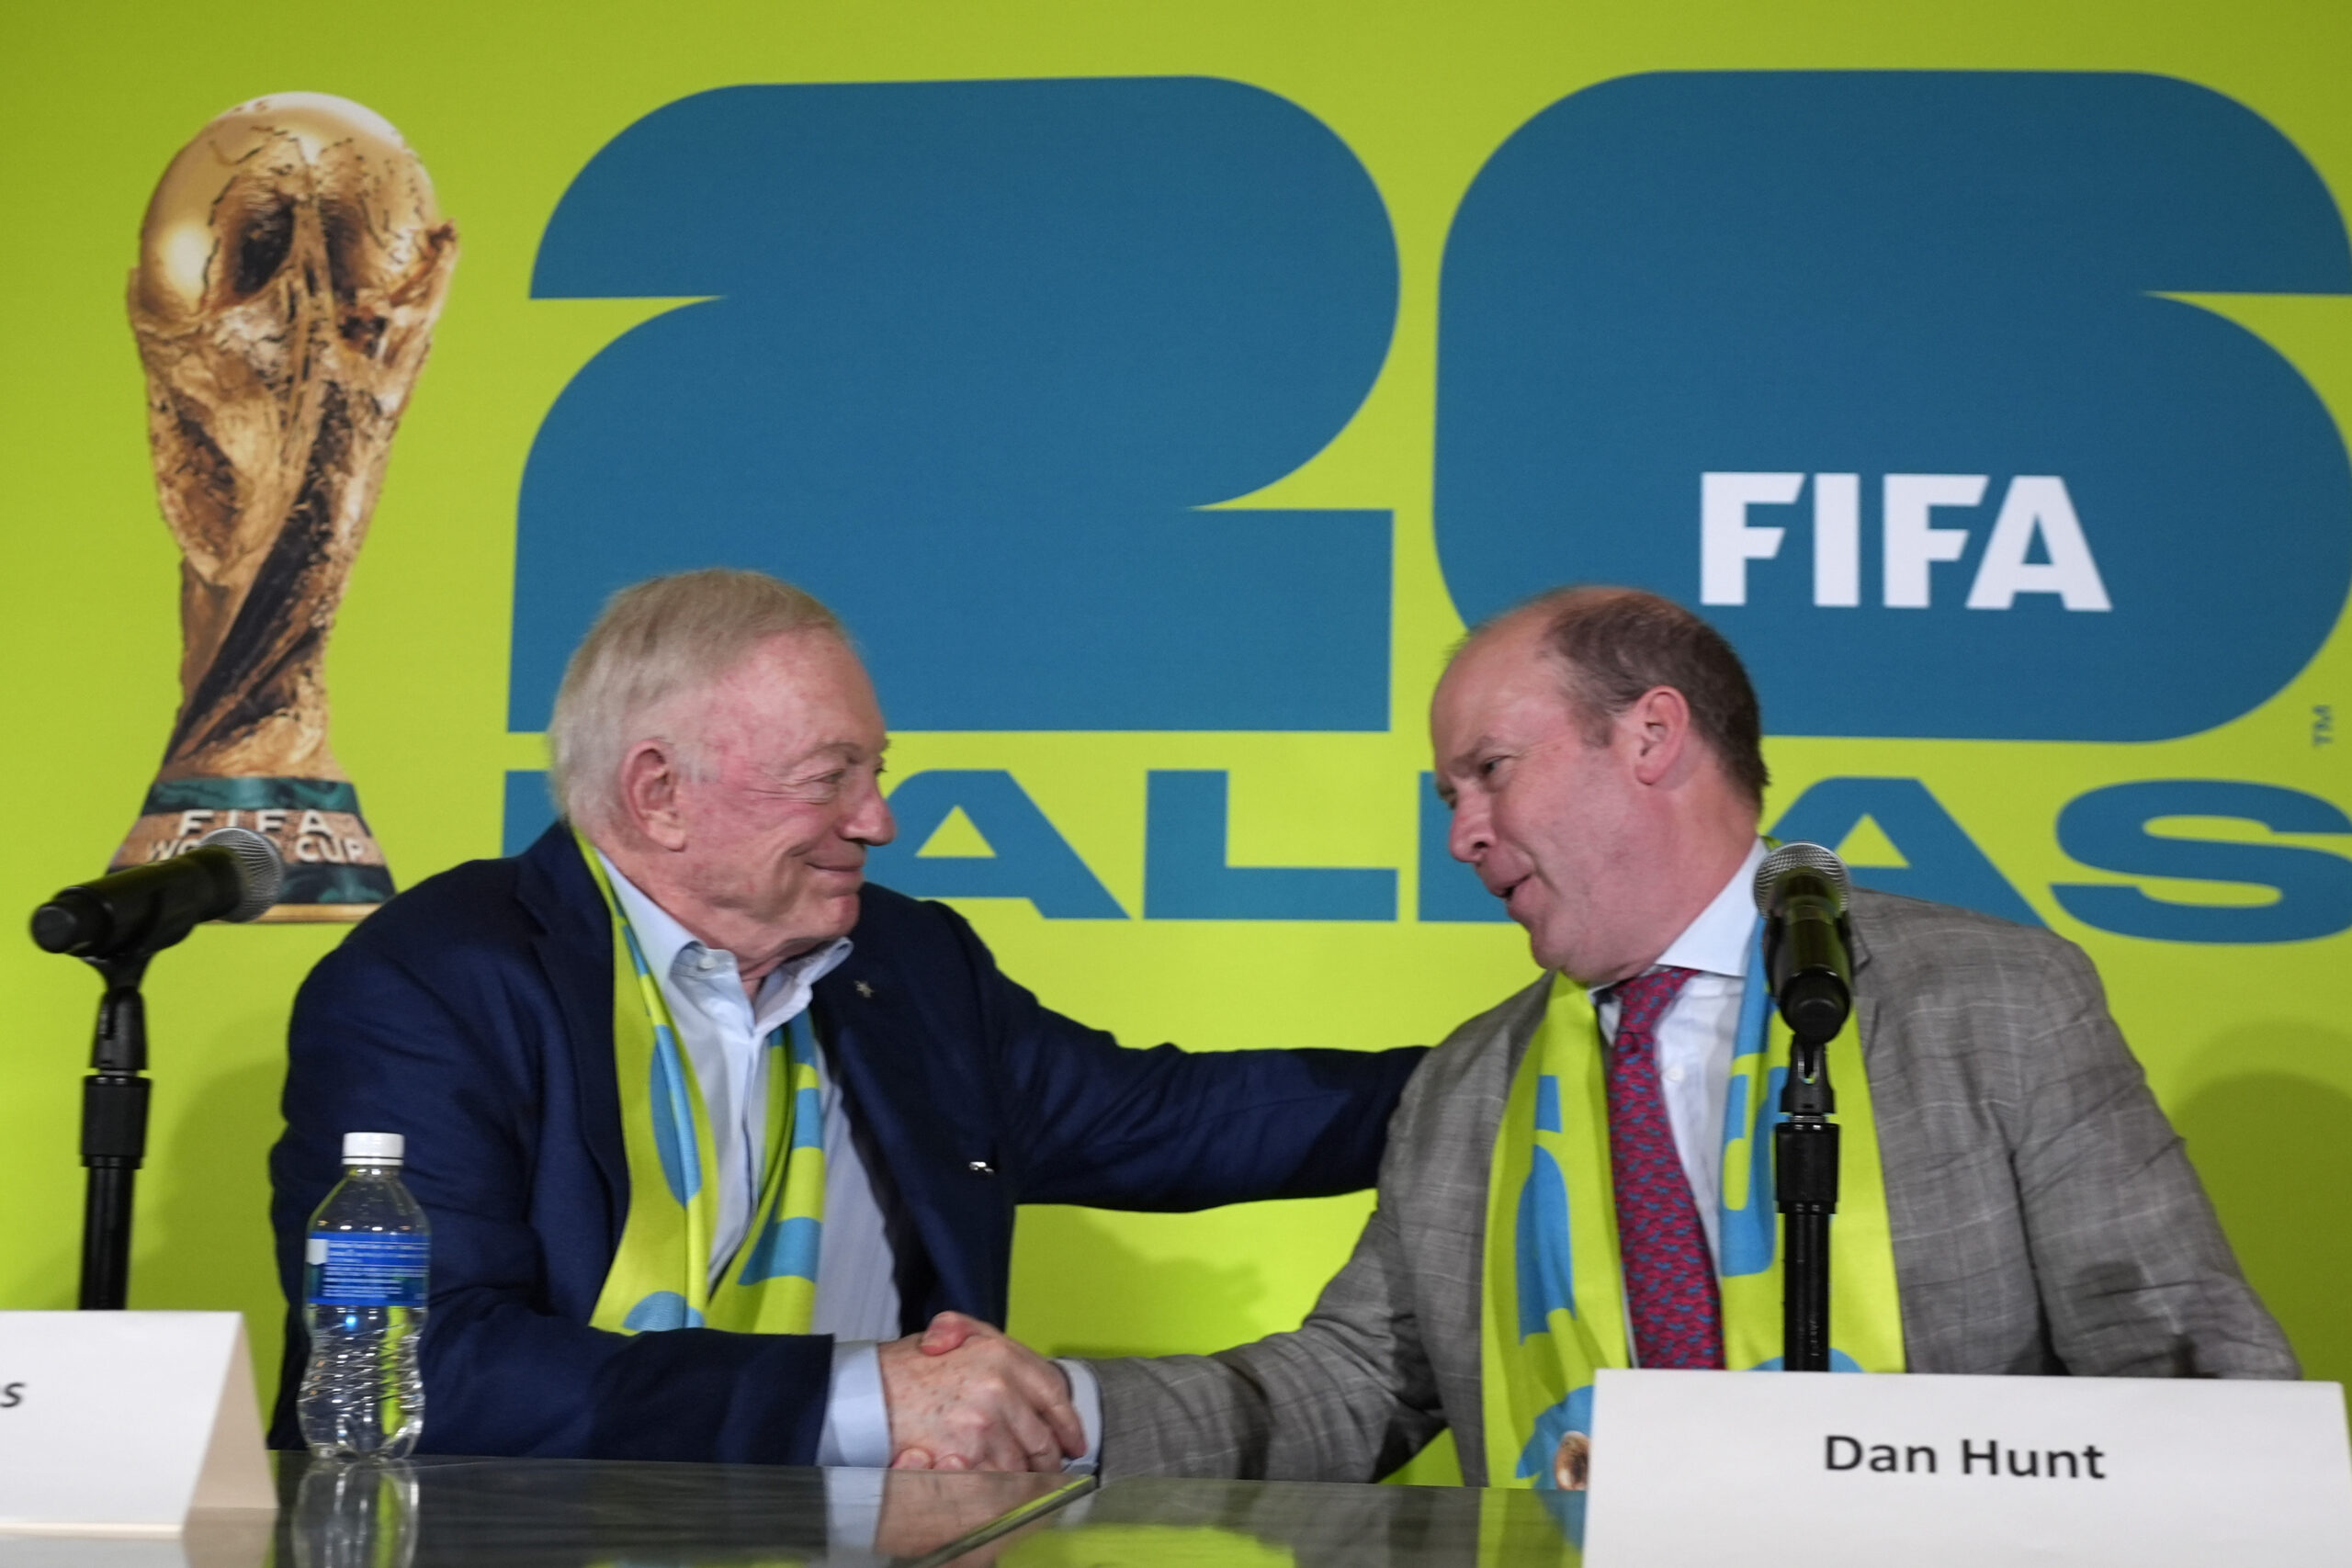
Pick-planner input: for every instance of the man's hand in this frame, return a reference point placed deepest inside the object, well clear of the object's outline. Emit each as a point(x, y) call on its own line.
point(962, 1396)
point(949, 1330)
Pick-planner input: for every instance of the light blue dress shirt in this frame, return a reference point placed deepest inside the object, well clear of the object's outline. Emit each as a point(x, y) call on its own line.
point(724, 1032)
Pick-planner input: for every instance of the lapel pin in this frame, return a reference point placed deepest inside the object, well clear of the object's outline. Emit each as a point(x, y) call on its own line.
point(980, 1167)
point(866, 990)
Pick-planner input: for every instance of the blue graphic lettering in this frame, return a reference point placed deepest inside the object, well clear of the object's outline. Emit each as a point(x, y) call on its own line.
point(660, 1311)
point(671, 1108)
point(808, 1119)
point(1547, 1104)
point(1750, 1233)
point(786, 1250)
point(1548, 1277)
point(1185, 875)
point(976, 362)
point(1030, 861)
point(1944, 862)
point(1573, 1414)
point(2110, 830)
point(1873, 367)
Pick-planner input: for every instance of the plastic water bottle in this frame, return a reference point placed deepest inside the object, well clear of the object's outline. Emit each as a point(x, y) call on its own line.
point(364, 1291)
point(355, 1514)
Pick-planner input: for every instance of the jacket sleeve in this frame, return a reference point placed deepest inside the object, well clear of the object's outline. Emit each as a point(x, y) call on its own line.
point(1093, 1122)
point(460, 1065)
point(1348, 1395)
point(2136, 1276)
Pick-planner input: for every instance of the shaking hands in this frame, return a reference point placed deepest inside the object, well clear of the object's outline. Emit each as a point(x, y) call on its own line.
point(963, 1397)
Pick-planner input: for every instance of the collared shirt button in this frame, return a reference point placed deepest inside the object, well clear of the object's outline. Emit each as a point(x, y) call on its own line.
point(1674, 1074)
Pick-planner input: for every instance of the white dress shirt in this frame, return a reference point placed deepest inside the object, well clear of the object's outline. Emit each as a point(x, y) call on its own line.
point(1698, 1035)
point(724, 1033)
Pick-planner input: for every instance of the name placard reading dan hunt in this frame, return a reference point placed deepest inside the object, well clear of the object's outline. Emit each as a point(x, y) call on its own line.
point(126, 1423)
point(1826, 1470)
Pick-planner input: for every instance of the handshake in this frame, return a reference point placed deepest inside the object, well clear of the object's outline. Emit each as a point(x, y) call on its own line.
point(964, 1396)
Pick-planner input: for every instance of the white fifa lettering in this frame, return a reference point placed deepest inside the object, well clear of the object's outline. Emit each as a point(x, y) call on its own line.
point(1838, 540)
point(2038, 505)
point(1727, 542)
point(1913, 542)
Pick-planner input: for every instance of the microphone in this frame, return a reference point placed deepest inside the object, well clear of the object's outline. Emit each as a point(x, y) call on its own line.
point(1801, 891)
point(233, 873)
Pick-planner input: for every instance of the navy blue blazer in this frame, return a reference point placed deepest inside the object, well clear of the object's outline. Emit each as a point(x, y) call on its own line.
point(473, 1014)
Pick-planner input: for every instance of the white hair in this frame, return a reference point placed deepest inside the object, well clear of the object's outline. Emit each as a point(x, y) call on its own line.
point(661, 639)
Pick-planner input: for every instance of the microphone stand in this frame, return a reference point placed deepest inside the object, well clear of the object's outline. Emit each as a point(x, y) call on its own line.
point(114, 1131)
point(1805, 1161)
point(117, 925)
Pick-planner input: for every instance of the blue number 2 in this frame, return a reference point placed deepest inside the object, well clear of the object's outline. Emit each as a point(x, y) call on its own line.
point(976, 363)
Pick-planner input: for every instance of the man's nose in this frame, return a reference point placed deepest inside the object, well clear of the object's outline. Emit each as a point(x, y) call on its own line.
point(1470, 835)
point(871, 822)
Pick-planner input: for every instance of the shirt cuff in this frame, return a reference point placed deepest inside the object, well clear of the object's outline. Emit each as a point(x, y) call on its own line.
point(1086, 1393)
point(852, 1513)
point(857, 1421)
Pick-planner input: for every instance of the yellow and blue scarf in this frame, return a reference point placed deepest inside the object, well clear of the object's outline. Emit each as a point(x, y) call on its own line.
point(1554, 1308)
point(660, 1277)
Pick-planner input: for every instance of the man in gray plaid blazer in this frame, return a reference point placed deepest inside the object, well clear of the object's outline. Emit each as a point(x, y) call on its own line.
point(1600, 749)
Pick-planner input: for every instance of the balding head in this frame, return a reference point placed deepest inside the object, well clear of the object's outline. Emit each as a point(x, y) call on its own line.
point(1588, 793)
point(1614, 643)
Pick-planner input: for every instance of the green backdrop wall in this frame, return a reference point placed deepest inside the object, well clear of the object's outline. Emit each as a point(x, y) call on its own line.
point(2239, 1016)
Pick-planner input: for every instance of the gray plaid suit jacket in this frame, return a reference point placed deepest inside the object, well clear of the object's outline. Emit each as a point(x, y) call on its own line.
point(2046, 1220)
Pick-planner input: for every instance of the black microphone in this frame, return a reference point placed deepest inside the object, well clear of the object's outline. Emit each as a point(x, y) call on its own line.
point(233, 873)
point(1801, 891)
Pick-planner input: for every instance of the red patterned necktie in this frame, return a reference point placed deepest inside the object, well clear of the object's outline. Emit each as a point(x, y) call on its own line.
point(1671, 1291)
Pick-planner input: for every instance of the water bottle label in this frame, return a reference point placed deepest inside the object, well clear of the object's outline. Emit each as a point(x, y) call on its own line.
point(364, 1269)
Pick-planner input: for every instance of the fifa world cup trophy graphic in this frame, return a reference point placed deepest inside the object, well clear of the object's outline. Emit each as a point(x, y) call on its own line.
point(290, 268)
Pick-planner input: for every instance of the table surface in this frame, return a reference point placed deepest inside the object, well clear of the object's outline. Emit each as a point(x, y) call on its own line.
point(571, 1513)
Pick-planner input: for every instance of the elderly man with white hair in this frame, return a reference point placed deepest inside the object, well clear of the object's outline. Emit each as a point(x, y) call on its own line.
point(708, 1127)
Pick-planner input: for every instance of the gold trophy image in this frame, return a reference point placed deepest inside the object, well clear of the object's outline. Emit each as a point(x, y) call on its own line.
point(290, 268)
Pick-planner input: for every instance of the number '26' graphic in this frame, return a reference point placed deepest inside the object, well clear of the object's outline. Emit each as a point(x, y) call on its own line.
point(979, 363)
point(985, 364)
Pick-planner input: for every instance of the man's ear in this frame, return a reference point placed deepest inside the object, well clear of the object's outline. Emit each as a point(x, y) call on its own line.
point(649, 794)
point(1659, 723)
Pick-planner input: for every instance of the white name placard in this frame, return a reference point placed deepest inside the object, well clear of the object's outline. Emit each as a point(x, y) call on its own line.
point(1830, 1470)
point(126, 1423)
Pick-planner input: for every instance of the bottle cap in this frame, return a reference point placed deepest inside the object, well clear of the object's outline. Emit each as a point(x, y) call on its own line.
point(374, 1148)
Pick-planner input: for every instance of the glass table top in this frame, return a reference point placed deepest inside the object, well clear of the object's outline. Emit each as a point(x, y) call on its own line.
point(1279, 1524)
point(562, 1513)
point(537, 1513)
